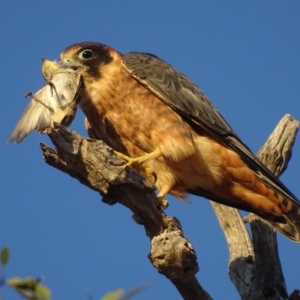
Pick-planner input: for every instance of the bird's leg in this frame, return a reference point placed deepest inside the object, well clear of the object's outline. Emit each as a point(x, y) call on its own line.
point(52, 87)
point(139, 160)
point(161, 196)
point(148, 172)
point(29, 94)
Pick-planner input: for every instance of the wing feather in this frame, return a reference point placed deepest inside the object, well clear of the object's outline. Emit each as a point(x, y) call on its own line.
point(35, 117)
point(185, 98)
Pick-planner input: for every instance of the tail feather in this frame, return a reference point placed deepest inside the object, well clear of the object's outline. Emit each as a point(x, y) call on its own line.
point(289, 226)
point(288, 223)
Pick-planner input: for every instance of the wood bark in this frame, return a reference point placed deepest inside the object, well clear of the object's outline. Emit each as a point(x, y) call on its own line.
point(251, 263)
point(254, 265)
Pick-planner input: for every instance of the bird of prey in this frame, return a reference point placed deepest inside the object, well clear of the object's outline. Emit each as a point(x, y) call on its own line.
point(155, 116)
point(56, 102)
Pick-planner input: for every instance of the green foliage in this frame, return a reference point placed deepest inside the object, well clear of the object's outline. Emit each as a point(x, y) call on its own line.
point(4, 256)
point(30, 288)
point(115, 295)
point(119, 294)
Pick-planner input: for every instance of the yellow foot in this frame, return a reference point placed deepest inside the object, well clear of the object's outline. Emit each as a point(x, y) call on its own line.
point(148, 172)
point(161, 197)
point(139, 160)
point(125, 157)
point(163, 202)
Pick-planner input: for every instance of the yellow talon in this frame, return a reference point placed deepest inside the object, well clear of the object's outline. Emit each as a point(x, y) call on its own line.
point(125, 157)
point(148, 172)
point(140, 160)
point(161, 197)
point(163, 202)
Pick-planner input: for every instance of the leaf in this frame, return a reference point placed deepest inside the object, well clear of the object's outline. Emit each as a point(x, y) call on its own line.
point(43, 292)
point(133, 292)
point(30, 288)
point(119, 294)
point(115, 295)
point(4, 255)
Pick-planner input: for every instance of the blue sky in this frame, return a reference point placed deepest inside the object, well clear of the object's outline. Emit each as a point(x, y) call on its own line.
point(243, 54)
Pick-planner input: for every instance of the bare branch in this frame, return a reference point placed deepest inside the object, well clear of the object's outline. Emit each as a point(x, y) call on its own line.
point(277, 151)
point(259, 275)
point(95, 165)
point(254, 266)
point(241, 260)
point(275, 154)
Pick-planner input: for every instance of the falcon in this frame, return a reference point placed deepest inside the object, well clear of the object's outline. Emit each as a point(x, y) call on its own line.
point(155, 116)
point(55, 102)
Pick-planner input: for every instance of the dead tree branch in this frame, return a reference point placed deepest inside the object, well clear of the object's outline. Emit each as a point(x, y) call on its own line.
point(254, 267)
point(95, 165)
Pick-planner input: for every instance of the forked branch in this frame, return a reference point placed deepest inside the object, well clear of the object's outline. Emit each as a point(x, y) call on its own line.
point(95, 165)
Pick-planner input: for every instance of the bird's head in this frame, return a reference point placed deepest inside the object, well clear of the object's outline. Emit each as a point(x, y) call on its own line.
point(49, 68)
point(90, 57)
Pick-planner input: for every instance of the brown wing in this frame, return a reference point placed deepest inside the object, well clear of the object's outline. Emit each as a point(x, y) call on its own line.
point(186, 99)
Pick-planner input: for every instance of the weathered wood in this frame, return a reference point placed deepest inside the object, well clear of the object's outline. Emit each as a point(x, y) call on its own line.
point(275, 154)
point(254, 266)
point(241, 255)
point(256, 272)
point(95, 165)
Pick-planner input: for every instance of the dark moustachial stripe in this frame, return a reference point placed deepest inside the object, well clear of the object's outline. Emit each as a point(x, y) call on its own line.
point(101, 57)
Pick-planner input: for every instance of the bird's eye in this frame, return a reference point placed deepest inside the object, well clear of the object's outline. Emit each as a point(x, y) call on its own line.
point(86, 54)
